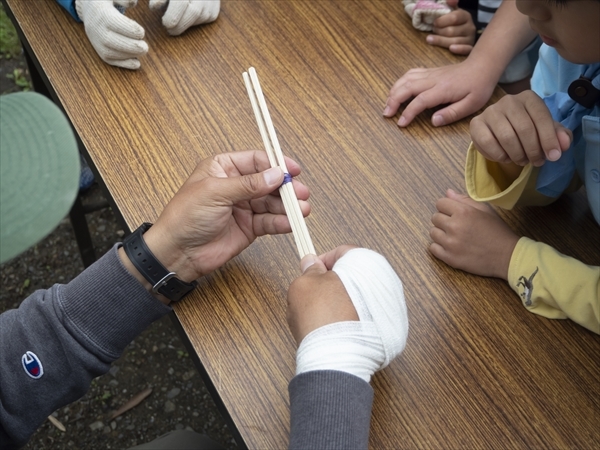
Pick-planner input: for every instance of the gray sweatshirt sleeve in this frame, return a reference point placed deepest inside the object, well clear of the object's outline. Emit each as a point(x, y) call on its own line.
point(59, 339)
point(329, 409)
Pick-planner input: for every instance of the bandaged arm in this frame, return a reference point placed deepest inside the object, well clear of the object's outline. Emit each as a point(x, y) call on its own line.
point(330, 398)
point(549, 283)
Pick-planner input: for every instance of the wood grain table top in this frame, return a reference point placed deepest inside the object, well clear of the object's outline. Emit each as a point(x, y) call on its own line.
point(479, 371)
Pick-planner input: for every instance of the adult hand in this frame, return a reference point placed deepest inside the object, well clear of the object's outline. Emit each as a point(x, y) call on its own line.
point(118, 40)
point(318, 297)
point(470, 236)
point(519, 129)
point(454, 31)
point(465, 86)
point(182, 14)
point(227, 202)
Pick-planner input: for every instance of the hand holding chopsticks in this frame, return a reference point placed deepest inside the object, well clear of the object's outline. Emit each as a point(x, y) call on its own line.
point(269, 137)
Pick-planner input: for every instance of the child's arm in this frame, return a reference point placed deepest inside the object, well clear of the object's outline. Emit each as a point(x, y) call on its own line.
point(455, 31)
point(466, 86)
point(554, 285)
point(470, 236)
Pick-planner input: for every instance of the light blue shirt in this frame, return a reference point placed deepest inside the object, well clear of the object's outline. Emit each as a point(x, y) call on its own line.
point(551, 79)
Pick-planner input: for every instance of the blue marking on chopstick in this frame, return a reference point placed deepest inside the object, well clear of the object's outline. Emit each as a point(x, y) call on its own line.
point(287, 178)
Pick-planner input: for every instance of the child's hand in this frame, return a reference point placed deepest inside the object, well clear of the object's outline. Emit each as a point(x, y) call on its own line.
point(519, 129)
point(470, 236)
point(454, 31)
point(464, 87)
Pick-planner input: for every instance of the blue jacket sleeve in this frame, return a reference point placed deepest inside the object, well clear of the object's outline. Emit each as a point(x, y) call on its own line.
point(69, 5)
point(59, 339)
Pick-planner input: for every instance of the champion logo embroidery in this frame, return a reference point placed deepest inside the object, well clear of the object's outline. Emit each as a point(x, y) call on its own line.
point(32, 365)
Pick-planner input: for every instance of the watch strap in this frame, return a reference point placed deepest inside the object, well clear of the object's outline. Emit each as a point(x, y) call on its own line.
point(163, 281)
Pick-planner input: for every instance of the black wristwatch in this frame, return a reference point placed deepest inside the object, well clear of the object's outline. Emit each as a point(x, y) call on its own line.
point(162, 281)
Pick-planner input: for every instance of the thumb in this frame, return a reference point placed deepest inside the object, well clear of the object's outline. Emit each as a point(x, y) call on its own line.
point(455, 111)
point(564, 136)
point(452, 3)
point(311, 264)
point(466, 200)
point(248, 187)
point(452, 194)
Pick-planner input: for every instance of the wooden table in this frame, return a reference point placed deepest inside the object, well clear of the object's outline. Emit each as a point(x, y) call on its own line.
point(478, 371)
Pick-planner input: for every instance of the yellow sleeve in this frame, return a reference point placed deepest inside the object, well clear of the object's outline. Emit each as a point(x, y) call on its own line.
point(486, 182)
point(554, 285)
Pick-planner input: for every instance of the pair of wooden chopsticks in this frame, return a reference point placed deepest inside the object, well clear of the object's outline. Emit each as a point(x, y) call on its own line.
point(269, 137)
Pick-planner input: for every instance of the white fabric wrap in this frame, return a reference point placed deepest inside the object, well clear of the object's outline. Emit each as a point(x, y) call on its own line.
point(424, 12)
point(360, 348)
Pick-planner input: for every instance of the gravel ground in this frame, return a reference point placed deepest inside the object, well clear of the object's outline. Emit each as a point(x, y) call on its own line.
point(157, 359)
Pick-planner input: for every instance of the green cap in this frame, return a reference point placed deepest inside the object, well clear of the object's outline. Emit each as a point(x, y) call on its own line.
point(39, 170)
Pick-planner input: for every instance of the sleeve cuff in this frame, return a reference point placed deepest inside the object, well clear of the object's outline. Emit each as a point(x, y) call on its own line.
point(486, 182)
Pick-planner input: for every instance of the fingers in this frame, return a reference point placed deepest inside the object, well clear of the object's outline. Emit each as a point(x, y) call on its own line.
point(460, 49)
point(157, 4)
point(455, 23)
point(431, 88)
point(410, 85)
point(125, 3)
point(324, 262)
point(122, 25)
point(454, 111)
point(564, 136)
point(446, 42)
point(520, 129)
point(248, 187)
point(454, 202)
point(263, 224)
point(312, 265)
point(131, 64)
point(174, 14)
point(249, 162)
point(425, 100)
point(331, 257)
point(181, 15)
point(454, 29)
point(274, 205)
point(438, 250)
point(121, 47)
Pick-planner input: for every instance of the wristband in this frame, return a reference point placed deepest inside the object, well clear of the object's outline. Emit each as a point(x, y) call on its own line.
point(163, 281)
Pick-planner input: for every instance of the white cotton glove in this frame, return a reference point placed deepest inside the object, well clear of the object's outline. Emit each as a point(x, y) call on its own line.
point(182, 14)
point(118, 40)
point(424, 12)
point(364, 347)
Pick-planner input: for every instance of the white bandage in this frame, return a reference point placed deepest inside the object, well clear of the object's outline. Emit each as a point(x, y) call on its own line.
point(119, 41)
point(424, 12)
point(360, 348)
point(182, 14)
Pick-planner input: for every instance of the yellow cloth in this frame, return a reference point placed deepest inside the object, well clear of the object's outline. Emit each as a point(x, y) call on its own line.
point(549, 283)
